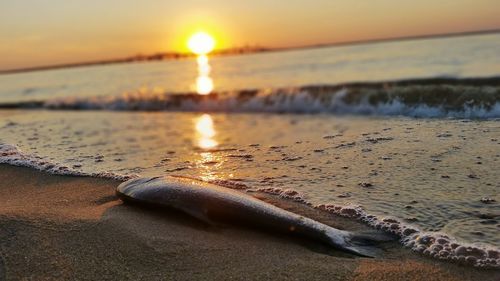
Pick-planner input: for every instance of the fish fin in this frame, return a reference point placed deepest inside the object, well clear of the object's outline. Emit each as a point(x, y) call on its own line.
point(365, 251)
point(365, 244)
point(199, 214)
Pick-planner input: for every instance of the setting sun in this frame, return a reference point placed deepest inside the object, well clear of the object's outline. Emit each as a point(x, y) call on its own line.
point(271, 120)
point(201, 43)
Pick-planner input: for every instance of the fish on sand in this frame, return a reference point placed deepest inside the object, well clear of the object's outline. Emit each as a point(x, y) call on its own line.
point(211, 203)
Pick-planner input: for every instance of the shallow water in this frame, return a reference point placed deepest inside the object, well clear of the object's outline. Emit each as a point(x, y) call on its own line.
point(429, 173)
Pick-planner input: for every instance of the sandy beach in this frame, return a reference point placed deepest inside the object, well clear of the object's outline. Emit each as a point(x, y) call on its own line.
point(312, 140)
point(74, 228)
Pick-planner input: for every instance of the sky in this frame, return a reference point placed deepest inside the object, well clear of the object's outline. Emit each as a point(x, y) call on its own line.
point(47, 32)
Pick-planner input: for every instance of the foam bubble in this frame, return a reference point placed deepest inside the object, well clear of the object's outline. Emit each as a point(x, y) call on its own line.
point(12, 155)
point(288, 194)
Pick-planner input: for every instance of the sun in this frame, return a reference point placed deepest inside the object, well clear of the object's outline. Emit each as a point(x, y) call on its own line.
point(201, 43)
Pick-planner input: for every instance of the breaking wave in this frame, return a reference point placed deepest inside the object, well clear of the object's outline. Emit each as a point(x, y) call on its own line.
point(435, 98)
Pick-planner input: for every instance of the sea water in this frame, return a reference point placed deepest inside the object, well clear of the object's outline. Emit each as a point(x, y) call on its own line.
point(418, 157)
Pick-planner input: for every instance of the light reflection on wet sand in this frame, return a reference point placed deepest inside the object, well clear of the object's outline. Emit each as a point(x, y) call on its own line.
point(205, 134)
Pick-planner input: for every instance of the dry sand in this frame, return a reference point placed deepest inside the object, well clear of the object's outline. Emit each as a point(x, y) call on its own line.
point(74, 228)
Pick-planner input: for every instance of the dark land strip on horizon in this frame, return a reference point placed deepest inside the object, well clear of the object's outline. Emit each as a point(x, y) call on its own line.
point(239, 51)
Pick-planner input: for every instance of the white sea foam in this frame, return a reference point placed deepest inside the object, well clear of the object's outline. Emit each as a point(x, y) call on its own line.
point(12, 155)
point(435, 244)
point(415, 99)
point(283, 101)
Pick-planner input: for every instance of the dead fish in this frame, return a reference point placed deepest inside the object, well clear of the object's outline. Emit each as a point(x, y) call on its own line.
point(211, 203)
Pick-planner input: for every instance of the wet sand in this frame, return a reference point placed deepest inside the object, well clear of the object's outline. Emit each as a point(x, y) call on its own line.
point(74, 228)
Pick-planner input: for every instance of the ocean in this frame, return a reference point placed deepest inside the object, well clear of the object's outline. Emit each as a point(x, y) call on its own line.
point(402, 135)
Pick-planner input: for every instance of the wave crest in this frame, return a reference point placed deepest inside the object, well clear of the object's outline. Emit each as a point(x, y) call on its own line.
point(457, 98)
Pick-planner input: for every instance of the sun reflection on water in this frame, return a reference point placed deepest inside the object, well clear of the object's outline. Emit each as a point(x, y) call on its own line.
point(204, 84)
point(205, 132)
point(202, 43)
point(205, 137)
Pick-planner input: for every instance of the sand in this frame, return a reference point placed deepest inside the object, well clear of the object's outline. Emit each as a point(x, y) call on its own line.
point(74, 228)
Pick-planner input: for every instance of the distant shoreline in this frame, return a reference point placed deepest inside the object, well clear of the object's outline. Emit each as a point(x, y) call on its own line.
point(239, 51)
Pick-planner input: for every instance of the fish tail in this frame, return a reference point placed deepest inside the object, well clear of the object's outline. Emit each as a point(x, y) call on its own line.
point(362, 244)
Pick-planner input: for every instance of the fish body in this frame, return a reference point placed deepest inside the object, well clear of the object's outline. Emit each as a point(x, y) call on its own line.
point(209, 203)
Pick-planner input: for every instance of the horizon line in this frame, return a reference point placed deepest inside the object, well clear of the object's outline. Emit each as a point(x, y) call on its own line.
point(242, 50)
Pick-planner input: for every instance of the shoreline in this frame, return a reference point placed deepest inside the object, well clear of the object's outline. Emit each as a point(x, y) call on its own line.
point(70, 227)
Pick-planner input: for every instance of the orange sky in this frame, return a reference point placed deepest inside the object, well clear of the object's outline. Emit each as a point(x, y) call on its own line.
point(44, 32)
